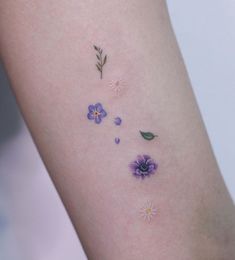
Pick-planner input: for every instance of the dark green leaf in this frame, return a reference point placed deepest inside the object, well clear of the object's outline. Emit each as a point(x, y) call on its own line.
point(96, 48)
point(98, 67)
point(98, 57)
point(105, 59)
point(148, 135)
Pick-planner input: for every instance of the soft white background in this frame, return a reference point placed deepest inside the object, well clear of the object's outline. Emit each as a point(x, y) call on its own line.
point(33, 222)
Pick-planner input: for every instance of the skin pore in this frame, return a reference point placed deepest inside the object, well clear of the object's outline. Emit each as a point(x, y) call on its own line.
point(48, 50)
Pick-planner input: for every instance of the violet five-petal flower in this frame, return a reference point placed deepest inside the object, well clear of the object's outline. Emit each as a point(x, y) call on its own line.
point(143, 166)
point(96, 113)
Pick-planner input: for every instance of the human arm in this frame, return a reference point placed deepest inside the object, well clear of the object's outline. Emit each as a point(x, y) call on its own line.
point(47, 48)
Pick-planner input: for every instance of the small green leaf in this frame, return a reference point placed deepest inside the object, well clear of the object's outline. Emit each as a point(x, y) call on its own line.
point(98, 57)
point(98, 67)
point(148, 135)
point(95, 47)
point(105, 59)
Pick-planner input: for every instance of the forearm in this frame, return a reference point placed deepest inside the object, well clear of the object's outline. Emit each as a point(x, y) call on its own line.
point(47, 48)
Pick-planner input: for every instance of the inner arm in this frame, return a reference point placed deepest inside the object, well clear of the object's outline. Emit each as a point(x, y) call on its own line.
point(89, 76)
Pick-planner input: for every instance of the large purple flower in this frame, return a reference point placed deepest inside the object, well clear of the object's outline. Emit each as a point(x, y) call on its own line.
point(143, 166)
point(96, 113)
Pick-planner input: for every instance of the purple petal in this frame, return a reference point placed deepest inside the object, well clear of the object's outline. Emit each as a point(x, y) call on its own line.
point(138, 172)
point(90, 116)
point(140, 159)
point(98, 107)
point(151, 162)
point(133, 166)
point(91, 108)
point(98, 119)
point(145, 173)
point(103, 113)
point(146, 157)
point(151, 168)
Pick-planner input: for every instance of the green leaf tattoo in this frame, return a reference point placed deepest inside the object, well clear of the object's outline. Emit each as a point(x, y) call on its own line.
point(148, 135)
point(101, 61)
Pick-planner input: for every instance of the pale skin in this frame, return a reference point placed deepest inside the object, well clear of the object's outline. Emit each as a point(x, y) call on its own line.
point(47, 49)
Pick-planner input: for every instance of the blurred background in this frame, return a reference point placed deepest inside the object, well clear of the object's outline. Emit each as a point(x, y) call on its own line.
point(33, 222)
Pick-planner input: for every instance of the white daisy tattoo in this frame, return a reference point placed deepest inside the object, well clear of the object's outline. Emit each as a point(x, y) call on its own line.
point(148, 211)
point(117, 86)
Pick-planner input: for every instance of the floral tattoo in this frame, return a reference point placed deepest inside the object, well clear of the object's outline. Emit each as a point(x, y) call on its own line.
point(148, 135)
point(117, 140)
point(96, 113)
point(117, 121)
point(118, 87)
point(101, 61)
point(143, 166)
point(148, 211)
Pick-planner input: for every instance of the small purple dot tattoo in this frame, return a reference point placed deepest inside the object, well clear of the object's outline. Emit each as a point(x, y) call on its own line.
point(117, 121)
point(96, 113)
point(143, 166)
point(117, 140)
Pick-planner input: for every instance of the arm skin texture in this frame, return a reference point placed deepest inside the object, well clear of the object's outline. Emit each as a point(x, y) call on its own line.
point(47, 49)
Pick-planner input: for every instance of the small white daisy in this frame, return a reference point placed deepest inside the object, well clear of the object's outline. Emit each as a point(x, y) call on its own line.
point(148, 211)
point(117, 86)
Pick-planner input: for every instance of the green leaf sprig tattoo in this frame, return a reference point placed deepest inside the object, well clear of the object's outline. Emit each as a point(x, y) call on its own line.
point(101, 60)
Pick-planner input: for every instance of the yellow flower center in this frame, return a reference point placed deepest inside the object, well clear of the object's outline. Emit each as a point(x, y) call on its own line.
point(96, 113)
point(148, 211)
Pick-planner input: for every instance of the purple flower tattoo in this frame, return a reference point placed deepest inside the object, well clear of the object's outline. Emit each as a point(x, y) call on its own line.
point(143, 166)
point(117, 121)
point(117, 140)
point(96, 113)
